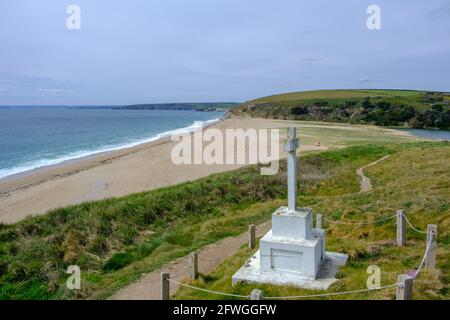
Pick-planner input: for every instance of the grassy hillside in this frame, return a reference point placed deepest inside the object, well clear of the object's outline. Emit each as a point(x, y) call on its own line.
point(207, 106)
point(114, 241)
point(416, 109)
point(416, 177)
point(336, 94)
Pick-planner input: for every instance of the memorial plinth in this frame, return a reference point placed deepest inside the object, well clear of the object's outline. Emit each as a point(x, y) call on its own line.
point(293, 252)
point(292, 246)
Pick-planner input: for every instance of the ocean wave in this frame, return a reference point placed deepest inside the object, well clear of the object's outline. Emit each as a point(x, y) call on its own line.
point(85, 153)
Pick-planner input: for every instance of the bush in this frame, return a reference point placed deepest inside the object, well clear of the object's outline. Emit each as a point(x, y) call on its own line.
point(118, 261)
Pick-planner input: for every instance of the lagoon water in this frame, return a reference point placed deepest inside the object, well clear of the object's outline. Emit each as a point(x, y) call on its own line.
point(33, 137)
point(429, 134)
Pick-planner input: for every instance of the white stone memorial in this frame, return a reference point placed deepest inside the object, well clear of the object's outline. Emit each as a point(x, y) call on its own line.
point(293, 252)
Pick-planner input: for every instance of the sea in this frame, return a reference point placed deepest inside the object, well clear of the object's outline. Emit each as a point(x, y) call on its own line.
point(35, 137)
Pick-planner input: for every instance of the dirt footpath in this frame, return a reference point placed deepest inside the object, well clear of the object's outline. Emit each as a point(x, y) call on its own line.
point(366, 184)
point(210, 257)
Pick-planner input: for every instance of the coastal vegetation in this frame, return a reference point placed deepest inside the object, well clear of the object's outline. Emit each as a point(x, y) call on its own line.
point(115, 241)
point(206, 106)
point(109, 239)
point(196, 106)
point(402, 108)
point(416, 177)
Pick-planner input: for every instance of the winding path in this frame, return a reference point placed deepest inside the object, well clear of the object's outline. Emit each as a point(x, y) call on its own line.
point(366, 184)
point(210, 257)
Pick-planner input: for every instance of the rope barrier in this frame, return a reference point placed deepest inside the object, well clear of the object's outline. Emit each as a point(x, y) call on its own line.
point(285, 297)
point(209, 291)
point(416, 274)
point(424, 256)
point(407, 221)
point(333, 293)
point(181, 272)
point(359, 223)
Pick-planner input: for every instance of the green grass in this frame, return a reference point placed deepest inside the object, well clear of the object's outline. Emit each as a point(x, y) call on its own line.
point(416, 177)
point(115, 241)
point(402, 108)
point(335, 135)
point(336, 94)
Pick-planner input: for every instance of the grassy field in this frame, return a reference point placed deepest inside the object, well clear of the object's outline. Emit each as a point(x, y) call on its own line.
point(416, 177)
point(336, 94)
point(337, 135)
point(417, 109)
point(115, 241)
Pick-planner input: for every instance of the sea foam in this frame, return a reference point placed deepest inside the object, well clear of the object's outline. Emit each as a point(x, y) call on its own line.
point(85, 153)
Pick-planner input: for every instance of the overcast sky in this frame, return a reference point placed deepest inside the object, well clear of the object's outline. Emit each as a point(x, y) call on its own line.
point(145, 51)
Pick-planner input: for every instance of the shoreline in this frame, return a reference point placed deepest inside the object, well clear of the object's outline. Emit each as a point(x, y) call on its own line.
point(34, 177)
point(109, 150)
point(57, 170)
point(143, 167)
point(20, 184)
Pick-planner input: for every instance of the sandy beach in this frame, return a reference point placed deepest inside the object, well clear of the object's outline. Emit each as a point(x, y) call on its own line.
point(113, 174)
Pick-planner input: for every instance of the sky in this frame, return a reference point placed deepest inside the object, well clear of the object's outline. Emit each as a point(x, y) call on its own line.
point(155, 51)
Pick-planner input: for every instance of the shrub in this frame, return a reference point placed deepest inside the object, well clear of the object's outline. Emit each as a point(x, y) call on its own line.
point(118, 261)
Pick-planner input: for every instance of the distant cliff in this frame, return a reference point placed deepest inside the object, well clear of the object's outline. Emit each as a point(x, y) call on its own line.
point(211, 106)
point(404, 108)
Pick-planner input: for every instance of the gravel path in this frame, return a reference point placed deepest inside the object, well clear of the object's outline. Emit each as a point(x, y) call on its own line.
point(210, 257)
point(366, 184)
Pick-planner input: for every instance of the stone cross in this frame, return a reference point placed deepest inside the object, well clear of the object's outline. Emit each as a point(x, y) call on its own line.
point(291, 148)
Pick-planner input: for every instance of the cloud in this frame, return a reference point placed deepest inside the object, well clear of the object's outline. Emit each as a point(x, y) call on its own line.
point(54, 91)
point(310, 60)
point(6, 86)
point(24, 85)
point(363, 80)
point(440, 13)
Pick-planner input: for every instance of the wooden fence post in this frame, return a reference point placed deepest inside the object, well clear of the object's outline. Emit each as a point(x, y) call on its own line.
point(401, 228)
point(256, 295)
point(318, 221)
point(165, 288)
point(193, 266)
point(430, 261)
point(252, 236)
point(404, 288)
